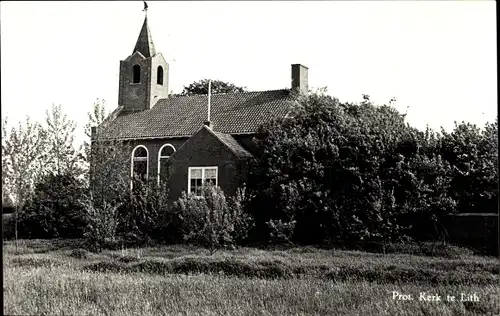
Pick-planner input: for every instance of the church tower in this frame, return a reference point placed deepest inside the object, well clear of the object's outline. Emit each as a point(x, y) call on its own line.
point(143, 75)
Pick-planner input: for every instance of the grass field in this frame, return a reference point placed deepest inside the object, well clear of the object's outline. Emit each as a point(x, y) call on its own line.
point(58, 278)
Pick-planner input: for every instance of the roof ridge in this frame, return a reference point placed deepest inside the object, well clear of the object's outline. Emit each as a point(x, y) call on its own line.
point(224, 93)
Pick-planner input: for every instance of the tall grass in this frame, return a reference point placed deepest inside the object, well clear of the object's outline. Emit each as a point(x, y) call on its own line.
point(43, 291)
point(59, 282)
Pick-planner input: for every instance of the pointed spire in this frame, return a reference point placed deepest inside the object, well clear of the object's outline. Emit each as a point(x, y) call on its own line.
point(144, 43)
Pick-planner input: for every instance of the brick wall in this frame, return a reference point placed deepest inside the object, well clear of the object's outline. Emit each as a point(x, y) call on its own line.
point(143, 95)
point(205, 150)
point(153, 146)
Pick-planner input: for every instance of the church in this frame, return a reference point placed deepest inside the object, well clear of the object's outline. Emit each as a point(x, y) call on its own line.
point(191, 140)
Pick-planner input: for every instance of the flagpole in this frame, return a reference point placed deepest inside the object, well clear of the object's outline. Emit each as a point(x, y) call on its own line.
point(209, 94)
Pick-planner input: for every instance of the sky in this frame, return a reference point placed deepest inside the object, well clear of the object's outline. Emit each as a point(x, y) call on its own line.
point(437, 58)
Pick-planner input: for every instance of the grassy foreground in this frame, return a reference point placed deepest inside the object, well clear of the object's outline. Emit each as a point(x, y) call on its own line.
point(57, 278)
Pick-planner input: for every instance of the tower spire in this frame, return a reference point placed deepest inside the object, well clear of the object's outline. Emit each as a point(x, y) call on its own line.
point(144, 43)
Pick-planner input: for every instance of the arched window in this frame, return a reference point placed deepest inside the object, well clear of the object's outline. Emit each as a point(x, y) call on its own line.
point(139, 165)
point(159, 75)
point(164, 154)
point(136, 72)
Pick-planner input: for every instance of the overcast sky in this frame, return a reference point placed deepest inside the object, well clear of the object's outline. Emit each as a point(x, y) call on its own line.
point(437, 58)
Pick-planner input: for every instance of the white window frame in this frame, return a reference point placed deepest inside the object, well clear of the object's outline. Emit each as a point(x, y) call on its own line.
point(203, 168)
point(138, 159)
point(164, 157)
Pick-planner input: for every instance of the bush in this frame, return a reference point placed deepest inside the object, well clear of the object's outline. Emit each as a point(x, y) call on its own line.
point(280, 232)
point(54, 209)
point(212, 221)
point(145, 215)
point(102, 222)
point(8, 223)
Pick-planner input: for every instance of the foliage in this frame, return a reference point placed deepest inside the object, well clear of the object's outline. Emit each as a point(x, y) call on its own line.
point(22, 153)
point(102, 222)
point(211, 220)
point(54, 209)
point(145, 214)
point(280, 232)
point(347, 172)
point(473, 156)
point(95, 118)
point(6, 186)
point(61, 155)
point(217, 86)
point(22, 148)
point(108, 160)
point(108, 173)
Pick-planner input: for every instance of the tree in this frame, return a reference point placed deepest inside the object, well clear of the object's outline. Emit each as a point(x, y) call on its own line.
point(109, 164)
point(95, 118)
point(217, 86)
point(61, 155)
point(342, 171)
point(6, 185)
point(108, 159)
point(22, 153)
point(473, 155)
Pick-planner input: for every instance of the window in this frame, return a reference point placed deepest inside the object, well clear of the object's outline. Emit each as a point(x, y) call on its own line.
point(136, 73)
point(139, 165)
point(198, 176)
point(165, 152)
point(159, 75)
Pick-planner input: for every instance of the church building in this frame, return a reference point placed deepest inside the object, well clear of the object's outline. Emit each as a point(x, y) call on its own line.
point(192, 139)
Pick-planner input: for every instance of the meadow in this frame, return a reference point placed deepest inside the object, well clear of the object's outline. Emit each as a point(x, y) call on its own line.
point(58, 277)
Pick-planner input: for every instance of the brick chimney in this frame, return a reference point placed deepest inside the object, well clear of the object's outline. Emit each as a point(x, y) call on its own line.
point(300, 82)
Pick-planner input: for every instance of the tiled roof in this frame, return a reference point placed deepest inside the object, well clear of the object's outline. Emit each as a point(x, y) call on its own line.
point(231, 113)
point(233, 145)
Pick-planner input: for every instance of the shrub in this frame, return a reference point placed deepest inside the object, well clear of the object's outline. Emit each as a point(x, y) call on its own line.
point(145, 215)
point(54, 209)
point(8, 223)
point(211, 220)
point(280, 231)
point(102, 222)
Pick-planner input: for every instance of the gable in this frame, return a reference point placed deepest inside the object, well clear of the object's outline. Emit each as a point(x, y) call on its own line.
point(231, 113)
point(207, 143)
